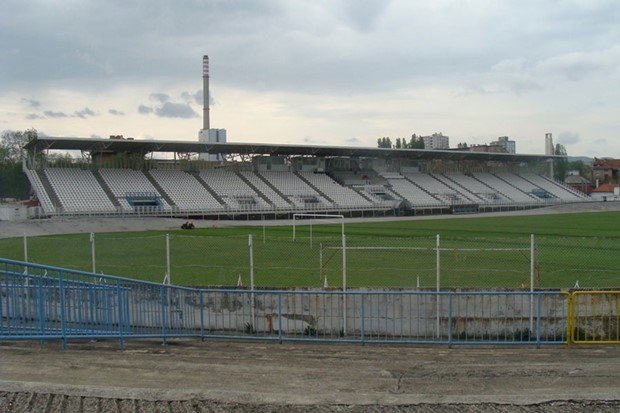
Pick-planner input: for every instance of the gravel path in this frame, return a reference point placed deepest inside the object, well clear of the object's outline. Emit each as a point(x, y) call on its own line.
point(57, 403)
point(218, 376)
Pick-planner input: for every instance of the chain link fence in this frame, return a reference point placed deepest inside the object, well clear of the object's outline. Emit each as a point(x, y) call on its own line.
point(329, 261)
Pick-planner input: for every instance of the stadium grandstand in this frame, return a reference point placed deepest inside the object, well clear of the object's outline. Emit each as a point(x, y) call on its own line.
point(124, 177)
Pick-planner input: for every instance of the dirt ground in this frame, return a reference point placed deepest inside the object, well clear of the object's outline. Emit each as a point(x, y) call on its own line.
point(220, 376)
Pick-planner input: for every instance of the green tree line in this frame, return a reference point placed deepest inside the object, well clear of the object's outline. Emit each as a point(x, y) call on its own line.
point(13, 181)
point(415, 142)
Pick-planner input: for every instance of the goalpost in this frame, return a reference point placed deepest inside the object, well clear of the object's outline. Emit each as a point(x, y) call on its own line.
point(326, 219)
point(526, 252)
point(322, 217)
point(311, 218)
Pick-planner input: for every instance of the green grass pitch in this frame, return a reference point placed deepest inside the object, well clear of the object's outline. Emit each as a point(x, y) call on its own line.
point(477, 252)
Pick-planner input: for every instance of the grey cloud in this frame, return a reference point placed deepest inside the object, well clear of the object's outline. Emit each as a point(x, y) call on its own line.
point(34, 116)
point(53, 114)
point(276, 45)
point(159, 97)
point(576, 66)
point(84, 113)
point(363, 16)
point(31, 103)
point(175, 110)
point(116, 112)
point(165, 108)
point(187, 97)
point(144, 110)
point(199, 96)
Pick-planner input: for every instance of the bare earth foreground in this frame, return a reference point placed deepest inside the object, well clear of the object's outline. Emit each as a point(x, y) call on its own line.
point(220, 376)
point(217, 376)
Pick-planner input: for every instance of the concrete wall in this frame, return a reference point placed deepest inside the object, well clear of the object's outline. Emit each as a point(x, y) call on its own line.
point(376, 315)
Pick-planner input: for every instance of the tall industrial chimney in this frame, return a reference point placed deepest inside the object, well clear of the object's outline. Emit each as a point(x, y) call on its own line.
point(206, 134)
point(205, 89)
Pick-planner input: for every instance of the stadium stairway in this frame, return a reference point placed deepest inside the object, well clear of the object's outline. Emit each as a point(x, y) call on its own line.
point(276, 190)
point(314, 188)
point(255, 189)
point(419, 186)
point(461, 190)
point(400, 196)
point(53, 196)
point(361, 193)
point(106, 189)
point(161, 191)
point(206, 186)
point(516, 188)
point(490, 187)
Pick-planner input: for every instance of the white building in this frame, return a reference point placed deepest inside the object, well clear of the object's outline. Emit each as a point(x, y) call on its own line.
point(436, 141)
point(212, 136)
point(507, 144)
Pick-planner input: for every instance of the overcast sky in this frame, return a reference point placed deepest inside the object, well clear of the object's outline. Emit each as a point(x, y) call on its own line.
point(328, 72)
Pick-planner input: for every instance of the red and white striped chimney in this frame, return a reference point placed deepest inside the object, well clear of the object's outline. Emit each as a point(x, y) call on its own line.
point(205, 89)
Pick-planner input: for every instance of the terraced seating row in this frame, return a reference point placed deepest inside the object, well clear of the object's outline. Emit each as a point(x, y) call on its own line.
point(220, 190)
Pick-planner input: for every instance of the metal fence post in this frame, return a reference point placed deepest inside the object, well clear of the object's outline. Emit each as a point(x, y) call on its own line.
point(570, 319)
point(438, 284)
point(119, 298)
point(321, 283)
point(168, 275)
point(251, 251)
point(202, 315)
point(163, 314)
point(531, 283)
point(450, 321)
point(63, 321)
point(41, 306)
point(92, 251)
point(362, 326)
point(538, 338)
point(438, 264)
point(25, 248)
point(344, 283)
point(280, 316)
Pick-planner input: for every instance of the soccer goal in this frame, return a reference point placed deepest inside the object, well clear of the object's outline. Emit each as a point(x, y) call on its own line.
point(428, 262)
point(308, 221)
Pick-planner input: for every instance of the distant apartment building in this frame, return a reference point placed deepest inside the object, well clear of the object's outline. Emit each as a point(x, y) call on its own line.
point(436, 141)
point(507, 144)
point(493, 148)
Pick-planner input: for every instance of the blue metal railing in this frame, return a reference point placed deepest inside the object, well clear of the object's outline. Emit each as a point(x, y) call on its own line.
point(40, 302)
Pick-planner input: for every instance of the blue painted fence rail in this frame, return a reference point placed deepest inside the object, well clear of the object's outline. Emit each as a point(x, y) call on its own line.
point(48, 303)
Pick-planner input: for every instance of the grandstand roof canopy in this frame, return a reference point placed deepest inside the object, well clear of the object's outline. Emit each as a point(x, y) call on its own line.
point(95, 145)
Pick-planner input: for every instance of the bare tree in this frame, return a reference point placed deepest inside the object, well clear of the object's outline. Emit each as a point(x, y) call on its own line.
point(12, 145)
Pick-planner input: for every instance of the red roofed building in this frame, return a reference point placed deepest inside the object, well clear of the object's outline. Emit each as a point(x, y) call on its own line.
point(606, 192)
point(606, 171)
